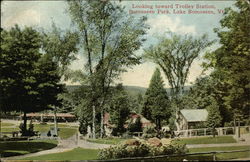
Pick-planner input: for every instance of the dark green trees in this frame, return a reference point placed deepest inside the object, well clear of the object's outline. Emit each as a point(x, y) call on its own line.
point(109, 37)
point(120, 107)
point(156, 104)
point(231, 61)
point(214, 118)
point(29, 81)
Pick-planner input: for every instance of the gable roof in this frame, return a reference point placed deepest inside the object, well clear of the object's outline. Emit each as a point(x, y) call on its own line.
point(194, 115)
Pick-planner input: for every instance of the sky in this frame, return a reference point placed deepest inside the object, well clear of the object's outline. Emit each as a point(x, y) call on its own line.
point(39, 14)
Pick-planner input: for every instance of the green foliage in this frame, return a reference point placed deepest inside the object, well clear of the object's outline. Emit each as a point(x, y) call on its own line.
point(202, 94)
point(149, 132)
point(230, 62)
point(156, 103)
point(175, 54)
point(119, 110)
point(214, 117)
point(136, 126)
point(143, 149)
point(109, 39)
point(29, 79)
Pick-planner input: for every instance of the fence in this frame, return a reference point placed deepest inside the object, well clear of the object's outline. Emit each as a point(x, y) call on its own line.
point(200, 156)
point(206, 131)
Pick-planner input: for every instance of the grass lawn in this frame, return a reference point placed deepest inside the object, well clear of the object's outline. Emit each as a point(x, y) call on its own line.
point(75, 154)
point(91, 154)
point(65, 133)
point(6, 124)
point(225, 156)
point(9, 129)
point(111, 141)
point(13, 148)
point(206, 140)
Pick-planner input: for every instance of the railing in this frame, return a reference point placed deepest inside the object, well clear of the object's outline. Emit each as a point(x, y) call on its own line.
point(182, 157)
point(206, 131)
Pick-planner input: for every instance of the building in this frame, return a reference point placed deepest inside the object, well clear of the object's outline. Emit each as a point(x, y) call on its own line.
point(191, 118)
point(49, 117)
point(132, 119)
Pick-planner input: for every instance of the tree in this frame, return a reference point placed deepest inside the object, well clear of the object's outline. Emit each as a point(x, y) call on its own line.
point(214, 118)
point(230, 62)
point(202, 93)
point(29, 80)
point(62, 47)
point(119, 110)
point(175, 55)
point(156, 104)
point(109, 38)
point(136, 126)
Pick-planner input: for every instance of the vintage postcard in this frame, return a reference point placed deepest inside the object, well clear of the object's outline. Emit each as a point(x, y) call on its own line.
point(125, 80)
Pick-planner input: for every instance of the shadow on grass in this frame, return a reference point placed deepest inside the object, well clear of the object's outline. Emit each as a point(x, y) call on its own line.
point(13, 148)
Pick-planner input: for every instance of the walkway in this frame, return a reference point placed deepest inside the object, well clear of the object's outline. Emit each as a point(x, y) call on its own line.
point(64, 145)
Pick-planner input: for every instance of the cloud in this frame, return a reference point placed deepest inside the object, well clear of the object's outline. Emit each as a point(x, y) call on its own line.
point(163, 23)
point(28, 17)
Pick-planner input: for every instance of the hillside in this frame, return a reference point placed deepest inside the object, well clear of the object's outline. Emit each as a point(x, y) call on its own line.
point(132, 90)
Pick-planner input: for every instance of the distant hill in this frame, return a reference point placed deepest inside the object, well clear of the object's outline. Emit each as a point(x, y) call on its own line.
point(132, 90)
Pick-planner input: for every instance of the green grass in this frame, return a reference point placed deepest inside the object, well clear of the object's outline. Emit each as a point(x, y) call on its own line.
point(13, 148)
point(65, 133)
point(225, 156)
point(206, 140)
point(9, 129)
point(111, 141)
point(6, 124)
point(75, 154)
point(91, 154)
point(64, 130)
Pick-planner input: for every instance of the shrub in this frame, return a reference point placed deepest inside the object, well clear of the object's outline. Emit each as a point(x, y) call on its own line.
point(29, 132)
point(140, 149)
point(149, 132)
point(83, 128)
point(136, 126)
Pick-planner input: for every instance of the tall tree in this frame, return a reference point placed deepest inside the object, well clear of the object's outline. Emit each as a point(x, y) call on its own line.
point(230, 62)
point(109, 38)
point(214, 118)
point(61, 46)
point(175, 55)
point(120, 107)
point(28, 79)
point(156, 105)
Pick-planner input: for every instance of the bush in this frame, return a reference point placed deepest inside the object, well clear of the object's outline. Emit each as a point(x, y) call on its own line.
point(140, 149)
point(136, 126)
point(83, 128)
point(149, 132)
point(29, 132)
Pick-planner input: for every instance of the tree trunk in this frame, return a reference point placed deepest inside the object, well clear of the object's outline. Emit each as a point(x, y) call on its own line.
point(213, 132)
point(55, 122)
point(93, 123)
point(24, 122)
point(102, 124)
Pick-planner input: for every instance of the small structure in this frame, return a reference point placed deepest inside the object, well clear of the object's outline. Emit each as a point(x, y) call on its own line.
point(132, 119)
point(61, 117)
point(191, 118)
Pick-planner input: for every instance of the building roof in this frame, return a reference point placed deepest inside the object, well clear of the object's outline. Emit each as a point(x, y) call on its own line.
point(67, 115)
point(194, 115)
